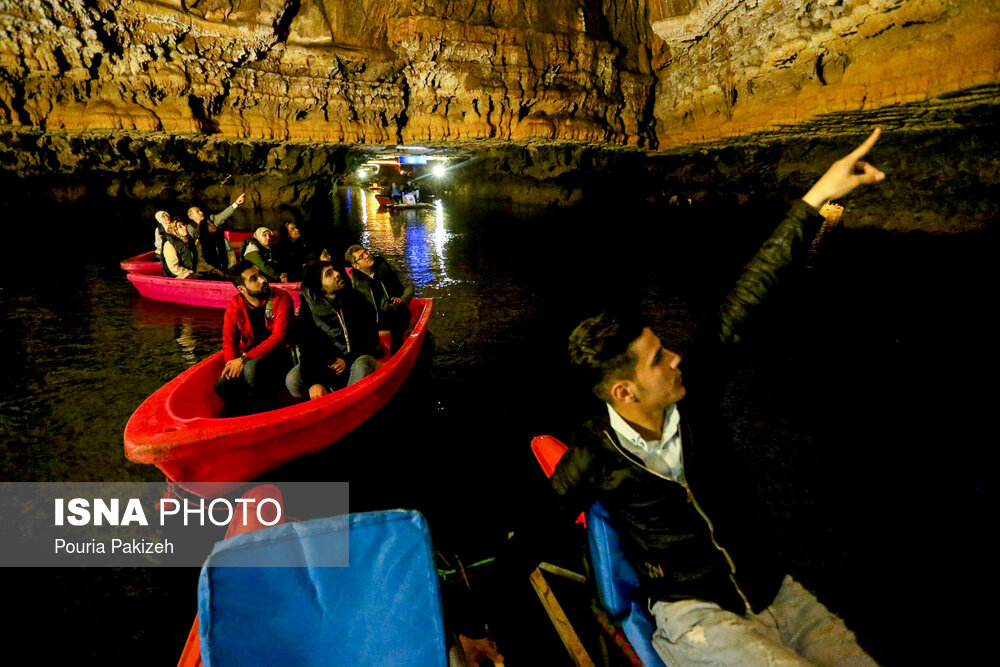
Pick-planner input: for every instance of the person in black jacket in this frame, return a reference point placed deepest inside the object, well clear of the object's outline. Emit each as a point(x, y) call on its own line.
point(181, 255)
point(294, 251)
point(217, 251)
point(379, 282)
point(338, 336)
point(661, 466)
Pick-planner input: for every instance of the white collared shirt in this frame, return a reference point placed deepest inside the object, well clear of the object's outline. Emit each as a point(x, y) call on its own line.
point(662, 456)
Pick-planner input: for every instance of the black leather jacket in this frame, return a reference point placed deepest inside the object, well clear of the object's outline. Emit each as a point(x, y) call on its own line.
point(694, 540)
point(382, 286)
point(343, 328)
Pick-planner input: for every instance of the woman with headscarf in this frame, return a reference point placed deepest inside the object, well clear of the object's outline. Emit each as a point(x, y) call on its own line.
point(182, 255)
point(260, 250)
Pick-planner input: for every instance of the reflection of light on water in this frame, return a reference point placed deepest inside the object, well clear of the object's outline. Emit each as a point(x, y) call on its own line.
point(415, 240)
point(441, 235)
point(186, 339)
point(365, 235)
point(418, 255)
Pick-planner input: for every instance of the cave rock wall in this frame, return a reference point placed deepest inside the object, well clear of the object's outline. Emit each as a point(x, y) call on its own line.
point(735, 66)
point(357, 71)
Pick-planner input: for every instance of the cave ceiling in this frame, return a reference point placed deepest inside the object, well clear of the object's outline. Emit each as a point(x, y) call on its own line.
point(650, 74)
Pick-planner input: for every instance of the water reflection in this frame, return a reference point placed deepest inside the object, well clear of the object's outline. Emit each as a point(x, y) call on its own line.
point(78, 358)
point(415, 240)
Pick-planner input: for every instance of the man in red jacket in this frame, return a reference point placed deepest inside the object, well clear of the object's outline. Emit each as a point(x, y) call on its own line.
point(255, 334)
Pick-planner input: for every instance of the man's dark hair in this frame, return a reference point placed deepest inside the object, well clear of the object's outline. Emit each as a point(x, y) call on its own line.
point(312, 275)
point(236, 273)
point(349, 254)
point(601, 346)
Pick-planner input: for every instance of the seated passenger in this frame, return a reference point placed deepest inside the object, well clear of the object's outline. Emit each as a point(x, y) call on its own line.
point(379, 282)
point(162, 222)
point(216, 249)
point(409, 195)
point(255, 332)
point(182, 256)
point(666, 469)
point(261, 250)
point(294, 251)
point(338, 338)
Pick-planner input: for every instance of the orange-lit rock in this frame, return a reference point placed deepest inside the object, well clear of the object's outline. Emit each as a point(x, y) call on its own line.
point(759, 65)
point(354, 71)
point(620, 72)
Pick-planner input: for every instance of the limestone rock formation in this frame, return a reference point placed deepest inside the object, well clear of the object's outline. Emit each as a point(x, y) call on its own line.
point(738, 66)
point(356, 71)
point(164, 97)
point(620, 72)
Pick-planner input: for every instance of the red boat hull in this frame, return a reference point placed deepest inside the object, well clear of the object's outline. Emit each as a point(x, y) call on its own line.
point(236, 239)
point(180, 428)
point(147, 262)
point(204, 293)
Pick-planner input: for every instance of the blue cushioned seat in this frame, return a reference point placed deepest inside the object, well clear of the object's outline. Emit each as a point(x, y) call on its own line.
point(384, 609)
point(618, 585)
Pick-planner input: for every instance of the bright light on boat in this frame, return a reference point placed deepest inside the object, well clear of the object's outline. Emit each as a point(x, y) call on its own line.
point(439, 171)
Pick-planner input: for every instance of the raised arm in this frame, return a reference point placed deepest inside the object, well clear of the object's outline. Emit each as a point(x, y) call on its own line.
point(845, 174)
point(224, 214)
point(790, 239)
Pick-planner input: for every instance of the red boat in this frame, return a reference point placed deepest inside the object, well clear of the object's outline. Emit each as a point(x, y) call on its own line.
point(236, 239)
point(204, 293)
point(386, 202)
point(147, 276)
point(148, 262)
point(181, 428)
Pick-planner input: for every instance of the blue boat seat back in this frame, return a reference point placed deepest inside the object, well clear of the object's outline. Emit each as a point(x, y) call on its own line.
point(617, 581)
point(618, 585)
point(384, 609)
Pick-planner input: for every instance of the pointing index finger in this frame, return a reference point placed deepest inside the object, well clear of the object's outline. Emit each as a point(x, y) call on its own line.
point(863, 149)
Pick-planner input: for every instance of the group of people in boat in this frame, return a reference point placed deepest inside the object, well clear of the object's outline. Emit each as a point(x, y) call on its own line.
point(716, 594)
point(268, 349)
point(407, 194)
point(198, 248)
point(331, 343)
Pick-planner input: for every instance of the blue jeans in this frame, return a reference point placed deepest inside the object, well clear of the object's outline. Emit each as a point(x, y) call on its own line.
point(795, 630)
point(299, 387)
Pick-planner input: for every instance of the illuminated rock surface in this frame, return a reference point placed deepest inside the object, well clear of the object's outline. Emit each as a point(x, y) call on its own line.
point(281, 88)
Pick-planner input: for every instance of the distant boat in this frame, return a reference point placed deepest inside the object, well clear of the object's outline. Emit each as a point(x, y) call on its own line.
point(386, 202)
point(182, 430)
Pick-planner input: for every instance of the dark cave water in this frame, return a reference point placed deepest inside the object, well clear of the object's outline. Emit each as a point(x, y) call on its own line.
point(868, 382)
